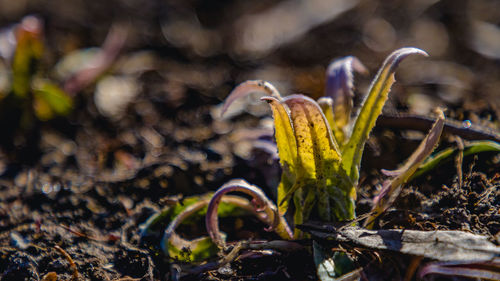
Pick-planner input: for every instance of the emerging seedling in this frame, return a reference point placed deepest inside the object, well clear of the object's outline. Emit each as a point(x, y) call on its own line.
point(47, 98)
point(320, 149)
point(319, 146)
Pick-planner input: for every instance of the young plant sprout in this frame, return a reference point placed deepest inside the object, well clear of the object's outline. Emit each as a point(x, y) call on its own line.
point(320, 148)
point(47, 99)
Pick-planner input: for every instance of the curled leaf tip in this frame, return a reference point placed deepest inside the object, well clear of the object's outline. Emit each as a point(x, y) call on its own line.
point(397, 56)
point(199, 249)
point(247, 88)
point(372, 108)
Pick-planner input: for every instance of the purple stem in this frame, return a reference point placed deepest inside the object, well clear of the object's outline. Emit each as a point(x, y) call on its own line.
point(176, 240)
point(264, 209)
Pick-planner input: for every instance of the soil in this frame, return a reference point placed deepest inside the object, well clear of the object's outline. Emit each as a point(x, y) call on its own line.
point(75, 190)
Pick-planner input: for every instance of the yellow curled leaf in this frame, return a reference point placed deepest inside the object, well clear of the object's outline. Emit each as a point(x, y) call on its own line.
point(371, 109)
point(287, 148)
point(285, 139)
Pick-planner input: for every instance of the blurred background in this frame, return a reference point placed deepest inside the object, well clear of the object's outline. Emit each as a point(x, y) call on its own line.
point(121, 84)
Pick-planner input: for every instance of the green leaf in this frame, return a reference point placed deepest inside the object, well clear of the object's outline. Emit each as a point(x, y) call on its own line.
point(196, 250)
point(447, 154)
point(186, 250)
point(188, 211)
point(298, 215)
point(169, 213)
point(325, 266)
point(50, 100)
point(371, 109)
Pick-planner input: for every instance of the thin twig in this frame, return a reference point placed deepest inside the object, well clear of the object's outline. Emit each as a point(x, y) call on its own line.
point(70, 260)
point(485, 194)
point(80, 234)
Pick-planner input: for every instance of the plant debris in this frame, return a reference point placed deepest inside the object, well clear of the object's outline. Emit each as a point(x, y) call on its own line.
point(441, 245)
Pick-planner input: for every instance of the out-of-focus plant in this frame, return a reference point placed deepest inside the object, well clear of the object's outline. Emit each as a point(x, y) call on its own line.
point(30, 86)
point(30, 92)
